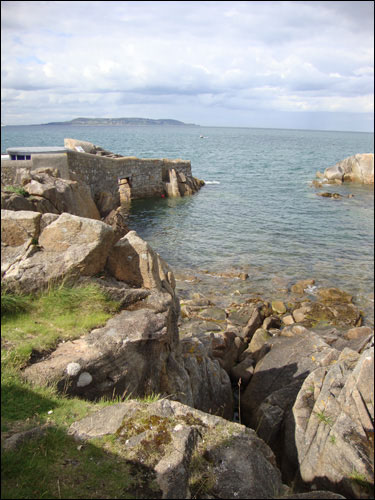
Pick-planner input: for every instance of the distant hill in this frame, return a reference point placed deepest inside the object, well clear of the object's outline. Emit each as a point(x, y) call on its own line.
point(121, 121)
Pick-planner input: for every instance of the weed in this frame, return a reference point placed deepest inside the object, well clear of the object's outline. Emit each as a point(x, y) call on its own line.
point(332, 439)
point(12, 303)
point(324, 418)
point(360, 479)
point(18, 190)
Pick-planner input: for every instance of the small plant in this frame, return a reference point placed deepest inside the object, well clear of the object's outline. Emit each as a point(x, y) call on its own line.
point(18, 190)
point(324, 418)
point(150, 398)
point(360, 479)
point(332, 439)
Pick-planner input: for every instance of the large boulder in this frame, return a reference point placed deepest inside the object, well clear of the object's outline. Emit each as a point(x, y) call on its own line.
point(334, 424)
point(266, 404)
point(77, 145)
point(357, 168)
point(136, 353)
point(191, 453)
point(19, 233)
point(133, 260)
point(62, 195)
point(69, 246)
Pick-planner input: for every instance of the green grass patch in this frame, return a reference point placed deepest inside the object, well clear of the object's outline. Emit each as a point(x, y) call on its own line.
point(54, 465)
point(18, 190)
point(38, 322)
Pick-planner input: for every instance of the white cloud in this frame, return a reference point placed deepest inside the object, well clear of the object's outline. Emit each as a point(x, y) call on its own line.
point(147, 57)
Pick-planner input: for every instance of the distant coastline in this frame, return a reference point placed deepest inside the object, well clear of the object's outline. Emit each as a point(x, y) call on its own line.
point(122, 121)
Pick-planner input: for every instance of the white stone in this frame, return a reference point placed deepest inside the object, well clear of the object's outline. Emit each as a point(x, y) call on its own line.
point(73, 369)
point(84, 379)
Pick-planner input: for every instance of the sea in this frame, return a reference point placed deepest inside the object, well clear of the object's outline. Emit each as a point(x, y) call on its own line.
point(258, 212)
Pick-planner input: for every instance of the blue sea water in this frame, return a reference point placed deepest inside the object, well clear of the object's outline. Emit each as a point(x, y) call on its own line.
point(258, 211)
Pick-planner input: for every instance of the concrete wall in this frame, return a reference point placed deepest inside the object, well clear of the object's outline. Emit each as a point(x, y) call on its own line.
point(147, 177)
point(9, 167)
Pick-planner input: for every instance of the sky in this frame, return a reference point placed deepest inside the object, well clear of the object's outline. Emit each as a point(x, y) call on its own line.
point(282, 64)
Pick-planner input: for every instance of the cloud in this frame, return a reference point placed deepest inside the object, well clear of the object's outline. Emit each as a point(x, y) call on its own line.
point(180, 56)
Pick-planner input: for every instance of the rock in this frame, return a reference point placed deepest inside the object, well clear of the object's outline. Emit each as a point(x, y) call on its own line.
point(226, 348)
point(19, 235)
point(318, 495)
point(326, 194)
point(255, 322)
point(266, 404)
point(333, 313)
point(278, 307)
point(118, 222)
point(301, 286)
point(19, 227)
point(206, 454)
point(240, 316)
point(14, 201)
point(243, 371)
point(138, 352)
point(299, 314)
point(208, 382)
point(212, 314)
point(88, 147)
point(134, 261)
point(62, 195)
point(172, 471)
point(287, 319)
point(258, 340)
point(334, 431)
point(106, 203)
point(71, 246)
point(293, 330)
point(15, 441)
point(329, 295)
point(271, 322)
point(359, 332)
point(357, 168)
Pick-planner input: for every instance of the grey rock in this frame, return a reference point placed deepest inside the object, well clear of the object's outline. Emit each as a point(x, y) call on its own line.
point(334, 417)
point(202, 451)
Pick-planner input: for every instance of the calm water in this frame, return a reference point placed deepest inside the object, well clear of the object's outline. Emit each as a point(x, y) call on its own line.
point(258, 211)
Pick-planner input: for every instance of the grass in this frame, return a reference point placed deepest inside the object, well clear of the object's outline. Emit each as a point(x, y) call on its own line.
point(18, 190)
point(324, 418)
point(36, 323)
point(54, 465)
point(362, 481)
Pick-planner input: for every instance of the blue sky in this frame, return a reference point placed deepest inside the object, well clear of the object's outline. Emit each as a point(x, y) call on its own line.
point(284, 64)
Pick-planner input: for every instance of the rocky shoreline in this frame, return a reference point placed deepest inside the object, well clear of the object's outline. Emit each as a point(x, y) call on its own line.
point(296, 373)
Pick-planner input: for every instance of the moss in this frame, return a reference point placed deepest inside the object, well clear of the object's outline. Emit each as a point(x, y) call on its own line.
point(155, 434)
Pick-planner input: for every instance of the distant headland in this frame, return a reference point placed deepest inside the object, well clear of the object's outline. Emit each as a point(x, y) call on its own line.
point(121, 122)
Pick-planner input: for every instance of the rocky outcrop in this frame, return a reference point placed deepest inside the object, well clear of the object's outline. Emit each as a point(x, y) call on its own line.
point(47, 192)
point(357, 168)
point(138, 351)
point(68, 247)
point(88, 147)
point(334, 424)
point(192, 454)
point(133, 260)
point(266, 404)
point(181, 185)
